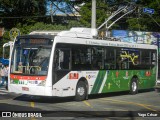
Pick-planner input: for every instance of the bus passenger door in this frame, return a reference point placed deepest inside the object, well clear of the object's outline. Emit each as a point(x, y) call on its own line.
point(62, 64)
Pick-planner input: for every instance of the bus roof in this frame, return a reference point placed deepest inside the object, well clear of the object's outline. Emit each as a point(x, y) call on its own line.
point(98, 42)
point(44, 32)
point(37, 36)
point(84, 36)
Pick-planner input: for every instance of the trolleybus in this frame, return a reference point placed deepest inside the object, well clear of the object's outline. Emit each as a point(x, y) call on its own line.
point(74, 63)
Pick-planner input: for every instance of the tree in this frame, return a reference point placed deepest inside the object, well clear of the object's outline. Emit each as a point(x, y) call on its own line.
point(101, 13)
point(145, 21)
point(20, 8)
point(15, 11)
point(137, 20)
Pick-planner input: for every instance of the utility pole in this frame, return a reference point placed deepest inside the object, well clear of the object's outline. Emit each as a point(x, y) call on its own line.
point(93, 19)
point(158, 43)
point(51, 12)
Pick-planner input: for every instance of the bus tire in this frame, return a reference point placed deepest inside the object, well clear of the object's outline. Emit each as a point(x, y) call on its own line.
point(81, 91)
point(134, 86)
point(157, 90)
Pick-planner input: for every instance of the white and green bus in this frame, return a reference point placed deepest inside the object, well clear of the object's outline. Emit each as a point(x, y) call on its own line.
point(74, 63)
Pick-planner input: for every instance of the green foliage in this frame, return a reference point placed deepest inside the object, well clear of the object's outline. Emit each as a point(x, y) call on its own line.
point(29, 12)
point(5, 39)
point(85, 13)
point(146, 22)
point(73, 23)
point(137, 20)
point(101, 13)
point(23, 7)
point(26, 29)
point(136, 24)
point(21, 11)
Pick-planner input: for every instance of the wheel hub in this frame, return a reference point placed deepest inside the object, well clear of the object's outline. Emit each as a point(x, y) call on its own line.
point(80, 91)
point(134, 86)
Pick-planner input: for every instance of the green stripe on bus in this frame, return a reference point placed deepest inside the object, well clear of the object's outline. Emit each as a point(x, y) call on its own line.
point(98, 81)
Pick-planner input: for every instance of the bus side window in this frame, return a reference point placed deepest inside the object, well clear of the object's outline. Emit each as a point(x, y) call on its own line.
point(153, 58)
point(56, 59)
point(110, 59)
point(145, 59)
point(62, 59)
point(59, 56)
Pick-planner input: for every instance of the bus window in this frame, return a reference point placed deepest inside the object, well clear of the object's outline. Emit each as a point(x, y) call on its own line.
point(6, 52)
point(97, 58)
point(87, 58)
point(153, 58)
point(122, 59)
point(62, 59)
point(29, 60)
point(81, 58)
point(110, 59)
point(145, 57)
point(127, 58)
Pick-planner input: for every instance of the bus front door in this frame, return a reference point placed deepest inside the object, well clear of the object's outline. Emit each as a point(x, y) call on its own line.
point(62, 64)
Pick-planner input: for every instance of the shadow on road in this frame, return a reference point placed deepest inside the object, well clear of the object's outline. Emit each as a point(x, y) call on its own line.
point(115, 94)
point(10, 107)
point(43, 99)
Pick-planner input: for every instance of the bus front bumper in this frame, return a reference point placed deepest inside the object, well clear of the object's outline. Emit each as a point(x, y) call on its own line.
point(29, 90)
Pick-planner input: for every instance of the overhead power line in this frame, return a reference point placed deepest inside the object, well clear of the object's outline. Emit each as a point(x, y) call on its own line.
point(26, 17)
point(57, 15)
point(154, 20)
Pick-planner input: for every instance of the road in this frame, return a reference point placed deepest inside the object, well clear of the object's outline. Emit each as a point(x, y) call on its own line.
point(144, 105)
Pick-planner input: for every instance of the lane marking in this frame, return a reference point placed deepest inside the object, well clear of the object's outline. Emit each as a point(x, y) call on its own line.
point(3, 93)
point(5, 100)
point(32, 104)
point(133, 103)
point(87, 103)
point(117, 109)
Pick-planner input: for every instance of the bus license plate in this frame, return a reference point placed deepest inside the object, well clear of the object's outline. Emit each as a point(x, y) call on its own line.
point(25, 88)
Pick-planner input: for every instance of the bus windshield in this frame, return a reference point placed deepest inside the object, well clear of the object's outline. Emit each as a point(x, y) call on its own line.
point(29, 58)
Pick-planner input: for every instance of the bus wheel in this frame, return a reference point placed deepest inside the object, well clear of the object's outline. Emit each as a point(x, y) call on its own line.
point(134, 86)
point(81, 91)
point(157, 90)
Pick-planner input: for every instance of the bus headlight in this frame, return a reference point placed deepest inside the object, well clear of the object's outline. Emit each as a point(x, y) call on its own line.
point(42, 83)
point(12, 81)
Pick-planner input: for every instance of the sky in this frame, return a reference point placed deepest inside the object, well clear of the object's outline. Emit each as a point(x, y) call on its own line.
point(55, 11)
